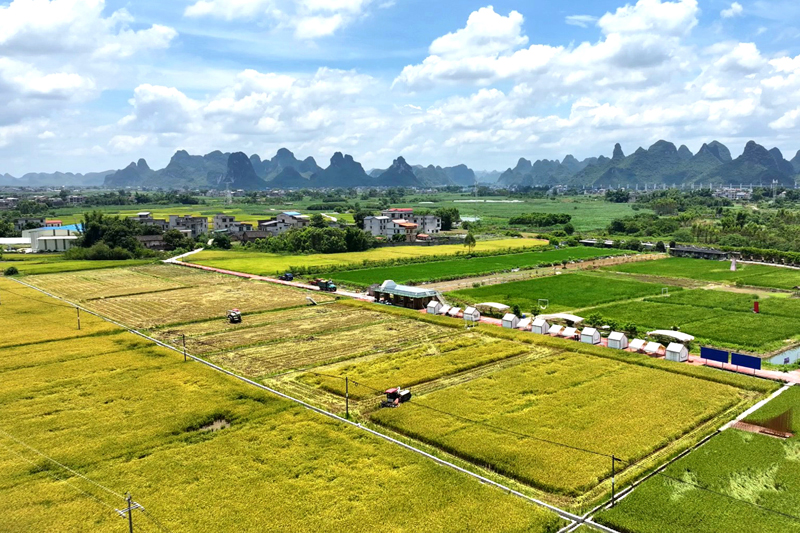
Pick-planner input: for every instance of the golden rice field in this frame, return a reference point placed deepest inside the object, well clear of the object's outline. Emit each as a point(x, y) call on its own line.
point(504, 420)
point(419, 364)
point(315, 350)
point(219, 335)
point(130, 416)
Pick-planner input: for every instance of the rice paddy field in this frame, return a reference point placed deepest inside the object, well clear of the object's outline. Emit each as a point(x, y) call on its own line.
point(738, 481)
point(264, 264)
point(152, 296)
point(565, 292)
point(199, 450)
point(466, 267)
point(510, 420)
point(715, 271)
point(29, 264)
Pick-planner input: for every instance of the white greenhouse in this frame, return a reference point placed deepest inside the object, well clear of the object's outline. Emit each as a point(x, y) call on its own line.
point(590, 336)
point(617, 340)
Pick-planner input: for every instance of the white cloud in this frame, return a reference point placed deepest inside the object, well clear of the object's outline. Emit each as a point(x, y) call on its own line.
point(641, 45)
point(584, 21)
point(735, 10)
point(123, 144)
point(69, 27)
point(309, 19)
point(45, 135)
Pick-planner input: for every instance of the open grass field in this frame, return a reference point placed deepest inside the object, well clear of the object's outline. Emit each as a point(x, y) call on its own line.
point(574, 399)
point(29, 264)
point(466, 267)
point(735, 301)
point(565, 292)
point(419, 364)
point(264, 264)
point(130, 416)
point(715, 271)
point(756, 470)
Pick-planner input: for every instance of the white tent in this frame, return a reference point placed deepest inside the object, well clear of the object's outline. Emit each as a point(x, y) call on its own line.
point(555, 329)
point(677, 352)
point(524, 324)
point(454, 311)
point(472, 315)
point(540, 326)
point(500, 308)
point(569, 333)
point(510, 321)
point(653, 348)
point(677, 335)
point(434, 307)
point(637, 345)
point(590, 336)
point(617, 340)
point(444, 309)
point(563, 316)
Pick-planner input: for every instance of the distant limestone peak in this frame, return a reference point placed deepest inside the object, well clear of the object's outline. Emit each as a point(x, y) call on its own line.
point(142, 165)
point(618, 153)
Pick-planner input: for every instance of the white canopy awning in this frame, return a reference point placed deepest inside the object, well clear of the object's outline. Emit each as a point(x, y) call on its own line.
point(637, 344)
point(493, 305)
point(562, 316)
point(653, 347)
point(555, 330)
point(525, 323)
point(683, 337)
point(569, 333)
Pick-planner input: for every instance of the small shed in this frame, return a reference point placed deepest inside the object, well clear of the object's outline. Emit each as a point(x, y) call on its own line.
point(570, 333)
point(540, 326)
point(653, 348)
point(472, 315)
point(590, 336)
point(444, 309)
point(617, 340)
point(454, 312)
point(677, 352)
point(637, 345)
point(555, 330)
point(434, 307)
point(510, 321)
point(524, 324)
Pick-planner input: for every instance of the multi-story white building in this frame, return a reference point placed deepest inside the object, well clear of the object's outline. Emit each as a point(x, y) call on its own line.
point(402, 222)
point(192, 226)
point(147, 219)
point(284, 222)
point(428, 224)
point(52, 239)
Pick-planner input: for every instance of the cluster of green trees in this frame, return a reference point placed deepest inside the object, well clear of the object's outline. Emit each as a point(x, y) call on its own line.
point(105, 237)
point(540, 220)
point(315, 240)
point(644, 225)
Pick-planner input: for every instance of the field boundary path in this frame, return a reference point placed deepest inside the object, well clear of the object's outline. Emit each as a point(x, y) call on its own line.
point(575, 520)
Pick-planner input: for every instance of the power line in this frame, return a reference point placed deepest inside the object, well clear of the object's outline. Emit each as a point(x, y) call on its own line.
point(28, 297)
point(68, 469)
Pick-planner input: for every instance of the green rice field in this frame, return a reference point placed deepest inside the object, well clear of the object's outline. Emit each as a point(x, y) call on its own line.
point(466, 267)
point(715, 271)
point(565, 292)
point(738, 481)
point(265, 264)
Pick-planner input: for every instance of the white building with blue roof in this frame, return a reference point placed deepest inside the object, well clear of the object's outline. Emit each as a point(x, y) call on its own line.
point(58, 239)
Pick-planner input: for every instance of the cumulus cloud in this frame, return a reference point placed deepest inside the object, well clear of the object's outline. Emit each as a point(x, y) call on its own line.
point(309, 19)
point(735, 10)
point(636, 40)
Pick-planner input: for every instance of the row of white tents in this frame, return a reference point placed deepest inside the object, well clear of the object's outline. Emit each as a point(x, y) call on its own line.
point(616, 340)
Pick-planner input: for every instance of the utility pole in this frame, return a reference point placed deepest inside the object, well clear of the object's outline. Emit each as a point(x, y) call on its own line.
point(184, 346)
point(128, 512)
point(613, 480)
point(78, 309)
point(347, 398)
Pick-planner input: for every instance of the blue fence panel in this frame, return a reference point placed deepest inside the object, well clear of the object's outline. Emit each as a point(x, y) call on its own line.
point(712, 354)
point(746, 361)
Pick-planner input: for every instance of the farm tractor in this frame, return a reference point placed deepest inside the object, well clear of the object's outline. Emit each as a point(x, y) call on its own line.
point(396, 396)
point(287, 277)
point(235, 316)
point(324, 285)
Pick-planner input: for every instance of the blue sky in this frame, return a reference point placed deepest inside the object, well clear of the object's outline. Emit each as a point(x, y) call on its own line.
point(88, 85)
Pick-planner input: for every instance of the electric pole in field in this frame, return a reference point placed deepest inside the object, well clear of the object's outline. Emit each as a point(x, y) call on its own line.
point(184, 346)
point(128, 512)
point(78, 309)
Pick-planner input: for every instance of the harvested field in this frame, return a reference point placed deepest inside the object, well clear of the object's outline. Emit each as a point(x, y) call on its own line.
point(420, 364)
point(577, 400)
point(200, 303)
point(219, 335)
point(316, 350)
